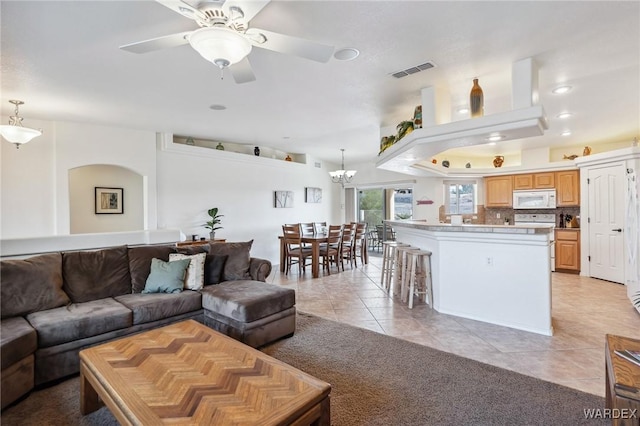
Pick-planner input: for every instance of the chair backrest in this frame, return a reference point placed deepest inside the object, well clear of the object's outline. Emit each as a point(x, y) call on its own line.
point(348, 233)
point(291, 235)
point(320, 227)
point(361, 231)
point(334, 235)
point(293, 225)
point(307, 228)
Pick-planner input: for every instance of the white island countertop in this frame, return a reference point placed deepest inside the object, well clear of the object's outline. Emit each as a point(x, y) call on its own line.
point(497, 229)
point(500, 274)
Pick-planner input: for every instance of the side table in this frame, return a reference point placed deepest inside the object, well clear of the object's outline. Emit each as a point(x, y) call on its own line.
point(622, 381)
point(199, 242)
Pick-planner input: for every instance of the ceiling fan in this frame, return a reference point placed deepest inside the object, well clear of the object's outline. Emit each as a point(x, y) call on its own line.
point(225, 38)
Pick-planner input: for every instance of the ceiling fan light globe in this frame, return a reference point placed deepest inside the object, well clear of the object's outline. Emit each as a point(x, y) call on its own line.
point(220, 45)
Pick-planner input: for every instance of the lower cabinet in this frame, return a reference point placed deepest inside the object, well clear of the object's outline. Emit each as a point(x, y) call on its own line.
point(567, 249)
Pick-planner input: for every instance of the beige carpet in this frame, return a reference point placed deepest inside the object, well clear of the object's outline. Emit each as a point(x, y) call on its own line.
point(376, 380)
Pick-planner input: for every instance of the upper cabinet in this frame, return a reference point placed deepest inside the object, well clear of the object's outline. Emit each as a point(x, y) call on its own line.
point(498, 191)
point(534, 181)
point(523, 181)
point(568, 188)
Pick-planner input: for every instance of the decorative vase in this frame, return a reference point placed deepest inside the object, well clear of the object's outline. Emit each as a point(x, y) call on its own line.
point(288, 158)
point(497, 162)
point(220, 146)
point(212, 235)
point(476, 100)
point(586, 151)
point(445, 163)
point(190, 141)
point(256, 151)
point(467, 166)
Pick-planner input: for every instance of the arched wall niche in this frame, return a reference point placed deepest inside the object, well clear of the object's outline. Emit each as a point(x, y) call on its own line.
point(82, 214)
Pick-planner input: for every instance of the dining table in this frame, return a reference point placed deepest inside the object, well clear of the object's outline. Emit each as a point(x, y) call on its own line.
point(315, 240)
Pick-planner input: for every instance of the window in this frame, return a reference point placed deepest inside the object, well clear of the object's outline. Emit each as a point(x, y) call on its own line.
point(460, 197)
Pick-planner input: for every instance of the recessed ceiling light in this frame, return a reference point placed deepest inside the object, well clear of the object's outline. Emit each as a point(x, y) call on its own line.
point(346, 54)
point(217, 107)
point(564, 115)
point(495, 138)
point(561, 89)
point(462, 110)
point(566, 133)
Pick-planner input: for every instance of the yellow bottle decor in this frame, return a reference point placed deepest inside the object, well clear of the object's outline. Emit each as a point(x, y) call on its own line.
point(476, 100)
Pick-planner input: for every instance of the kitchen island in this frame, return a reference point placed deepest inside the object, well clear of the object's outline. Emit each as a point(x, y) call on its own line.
point(498, 274)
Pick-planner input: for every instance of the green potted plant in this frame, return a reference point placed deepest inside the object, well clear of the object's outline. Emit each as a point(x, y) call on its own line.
point(212, 225)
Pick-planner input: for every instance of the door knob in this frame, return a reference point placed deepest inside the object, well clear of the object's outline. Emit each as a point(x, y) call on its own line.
point(617, 230)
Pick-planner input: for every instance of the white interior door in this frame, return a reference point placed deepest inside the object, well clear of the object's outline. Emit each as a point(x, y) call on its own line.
point(606, 222)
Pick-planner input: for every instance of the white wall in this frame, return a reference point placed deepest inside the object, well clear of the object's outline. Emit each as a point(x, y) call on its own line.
point(27, 187)
point(192, 180)
point(80, 144)
point(82, 183)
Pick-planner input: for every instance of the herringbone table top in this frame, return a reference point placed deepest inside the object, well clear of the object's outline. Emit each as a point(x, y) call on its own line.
point(187, 373)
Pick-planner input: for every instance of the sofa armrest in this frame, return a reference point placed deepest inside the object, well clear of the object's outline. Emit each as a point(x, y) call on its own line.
point(259, 269)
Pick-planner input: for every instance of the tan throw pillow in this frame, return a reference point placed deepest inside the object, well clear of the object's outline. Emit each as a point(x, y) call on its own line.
point(195, 272)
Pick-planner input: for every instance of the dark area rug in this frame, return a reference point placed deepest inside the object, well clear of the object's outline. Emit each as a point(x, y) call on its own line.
point(376, 380)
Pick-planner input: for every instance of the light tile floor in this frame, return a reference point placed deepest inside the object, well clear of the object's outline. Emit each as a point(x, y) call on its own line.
point(584, 310)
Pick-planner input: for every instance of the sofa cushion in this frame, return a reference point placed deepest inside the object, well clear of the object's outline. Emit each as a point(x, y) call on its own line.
point(31, 285)
point(79, 320)
point(93, 275)
point(247, 300)
point(166, 277)
point(157, 306)
point(195, 271)
point(213, 268)
point(237, 265)
point(18, 340)
point(140, 263)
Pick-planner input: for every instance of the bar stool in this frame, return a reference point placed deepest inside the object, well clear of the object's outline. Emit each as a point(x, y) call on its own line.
point(401, 272)
point(388, 259)
point(418, 277)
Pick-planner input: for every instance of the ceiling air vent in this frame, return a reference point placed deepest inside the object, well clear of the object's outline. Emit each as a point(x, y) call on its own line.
point(413, 70)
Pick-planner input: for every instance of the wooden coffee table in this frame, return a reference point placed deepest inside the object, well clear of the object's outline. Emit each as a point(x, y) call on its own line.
point(187, 373)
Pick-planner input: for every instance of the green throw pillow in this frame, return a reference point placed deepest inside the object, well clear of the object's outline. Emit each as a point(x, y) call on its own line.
point(166, 277)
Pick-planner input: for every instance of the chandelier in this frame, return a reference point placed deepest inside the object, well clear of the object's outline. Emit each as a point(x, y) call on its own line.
point(342, 176)
point(14, 132)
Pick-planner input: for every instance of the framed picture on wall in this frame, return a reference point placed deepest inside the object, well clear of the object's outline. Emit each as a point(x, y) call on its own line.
point(109, 200)
point(283, 199)
point(313, 195)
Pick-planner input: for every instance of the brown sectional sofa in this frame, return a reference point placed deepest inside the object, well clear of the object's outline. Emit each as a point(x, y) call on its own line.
point(56, 304)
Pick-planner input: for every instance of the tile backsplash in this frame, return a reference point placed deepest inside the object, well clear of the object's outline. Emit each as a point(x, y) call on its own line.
point(490, 216)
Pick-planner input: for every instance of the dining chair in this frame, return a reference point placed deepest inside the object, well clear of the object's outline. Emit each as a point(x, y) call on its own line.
point(320, 227)
point(359, 245)
point(307, 228)
point(294, 251)
point(331, 249)
point(346, 244)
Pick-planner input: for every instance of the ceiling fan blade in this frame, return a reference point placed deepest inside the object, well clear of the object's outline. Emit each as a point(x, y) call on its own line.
point(242, 72)
point(250, 8)
point(292, 45)
point(157, 43)
point(183, 9)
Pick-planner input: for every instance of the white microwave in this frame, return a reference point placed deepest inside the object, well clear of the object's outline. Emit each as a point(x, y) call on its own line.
point(537, 199)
